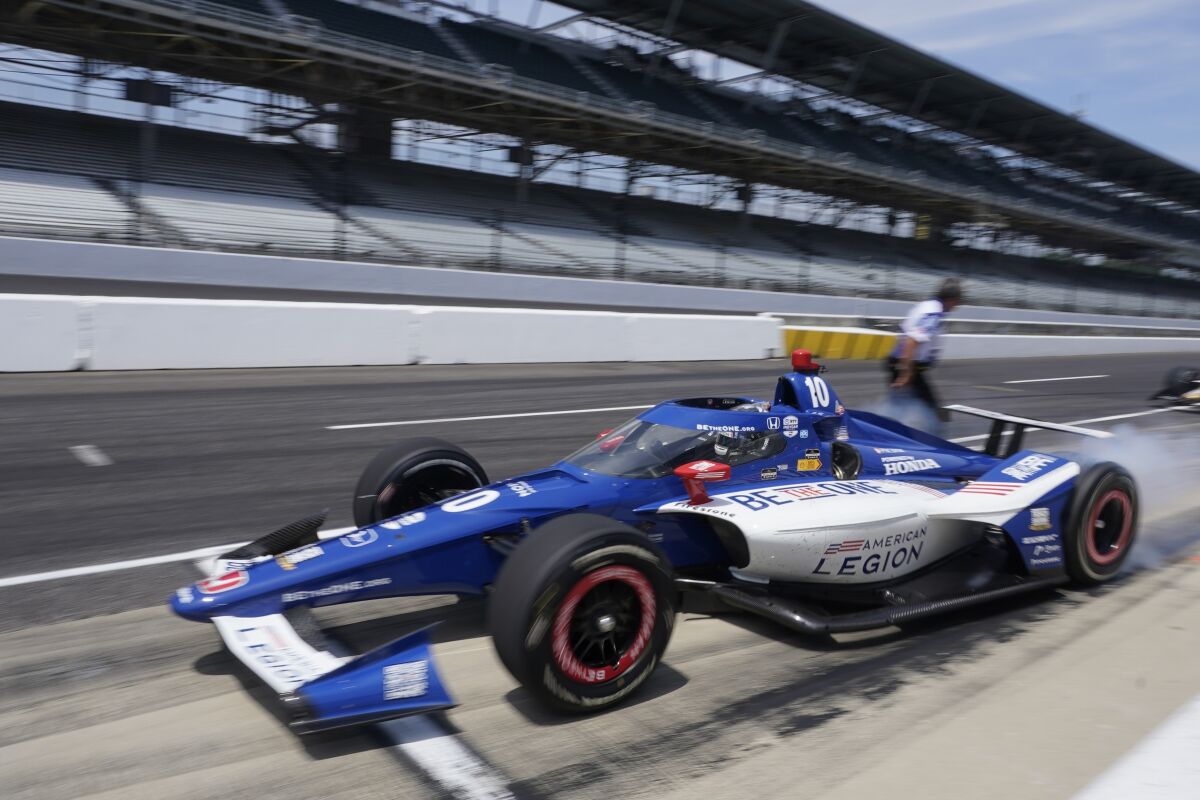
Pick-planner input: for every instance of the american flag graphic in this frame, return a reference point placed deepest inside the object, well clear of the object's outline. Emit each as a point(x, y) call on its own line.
point(983, 487)
point(848, 546)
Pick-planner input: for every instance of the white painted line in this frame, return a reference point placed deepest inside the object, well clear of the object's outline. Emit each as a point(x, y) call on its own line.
point(1048, 380)
point(445, 759)
point(90, 455)
point(1163, 766)
point(114, 566)
point(488, 416)
point(962, 439)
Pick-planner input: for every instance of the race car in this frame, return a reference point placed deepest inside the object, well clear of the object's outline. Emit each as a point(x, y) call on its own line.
point(1182, 387)
point(820, 518)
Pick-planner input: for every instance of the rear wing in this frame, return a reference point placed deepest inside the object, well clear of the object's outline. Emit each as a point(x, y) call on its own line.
point(1001, 422)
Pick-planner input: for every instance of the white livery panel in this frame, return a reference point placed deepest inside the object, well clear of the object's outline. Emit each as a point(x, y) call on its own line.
point(862, 531)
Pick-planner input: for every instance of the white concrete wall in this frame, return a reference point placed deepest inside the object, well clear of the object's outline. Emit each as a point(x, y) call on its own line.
point(698, 337)
point(146, 333)
point(39, 333)
point(519, 336)
point(101, 333)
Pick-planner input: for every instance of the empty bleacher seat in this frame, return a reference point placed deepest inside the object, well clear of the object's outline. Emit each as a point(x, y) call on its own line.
point(59, 206)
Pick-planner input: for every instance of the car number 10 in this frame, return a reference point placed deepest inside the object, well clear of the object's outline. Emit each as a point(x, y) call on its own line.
point(818, 391)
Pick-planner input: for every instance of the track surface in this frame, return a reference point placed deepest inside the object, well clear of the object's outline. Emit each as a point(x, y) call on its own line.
point(104, 694)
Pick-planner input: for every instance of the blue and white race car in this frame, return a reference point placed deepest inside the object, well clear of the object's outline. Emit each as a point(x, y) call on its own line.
point(822, 519)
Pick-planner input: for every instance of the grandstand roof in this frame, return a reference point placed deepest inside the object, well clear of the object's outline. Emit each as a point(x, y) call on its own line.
point(802, 41)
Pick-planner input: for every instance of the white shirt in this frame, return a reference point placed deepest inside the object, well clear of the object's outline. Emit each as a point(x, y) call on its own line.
point(923, 325)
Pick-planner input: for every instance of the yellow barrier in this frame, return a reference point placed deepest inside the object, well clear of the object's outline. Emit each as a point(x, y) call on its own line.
point(844, 343)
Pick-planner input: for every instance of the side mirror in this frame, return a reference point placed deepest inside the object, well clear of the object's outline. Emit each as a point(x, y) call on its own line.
point(697, 473)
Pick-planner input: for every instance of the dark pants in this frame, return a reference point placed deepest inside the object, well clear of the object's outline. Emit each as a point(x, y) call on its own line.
point(919, 383)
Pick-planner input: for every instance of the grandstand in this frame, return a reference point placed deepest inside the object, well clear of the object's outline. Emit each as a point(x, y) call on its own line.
point(895, 190)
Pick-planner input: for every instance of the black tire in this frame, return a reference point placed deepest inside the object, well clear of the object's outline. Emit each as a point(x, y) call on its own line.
point(1102, 525)
point(411, 474)
point(1182, 379)
point(558, 592)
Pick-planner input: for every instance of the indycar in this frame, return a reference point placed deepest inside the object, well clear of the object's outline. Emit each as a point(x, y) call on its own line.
point(820, 518)
point(1182, 387)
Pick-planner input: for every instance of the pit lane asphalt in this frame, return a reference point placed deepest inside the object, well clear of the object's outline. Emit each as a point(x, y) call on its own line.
point(139, 704)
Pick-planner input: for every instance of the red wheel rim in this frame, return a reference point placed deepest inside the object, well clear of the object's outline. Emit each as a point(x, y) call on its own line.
point(574, 613)
point(1114, 509)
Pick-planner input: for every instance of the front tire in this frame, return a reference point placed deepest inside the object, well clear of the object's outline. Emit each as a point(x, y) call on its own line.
point(582, 611)
point(411, 474)
point(1102, 524)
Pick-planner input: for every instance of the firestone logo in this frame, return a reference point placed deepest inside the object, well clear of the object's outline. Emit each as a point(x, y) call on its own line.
point(1028, 466)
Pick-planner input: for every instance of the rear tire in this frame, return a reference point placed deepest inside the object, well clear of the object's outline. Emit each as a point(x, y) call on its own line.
point(1102, 524)
point(582, 611)
point(411, 474)
point(1182, 379)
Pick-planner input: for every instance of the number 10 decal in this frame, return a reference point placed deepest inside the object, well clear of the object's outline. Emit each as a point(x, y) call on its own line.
point(818, 391)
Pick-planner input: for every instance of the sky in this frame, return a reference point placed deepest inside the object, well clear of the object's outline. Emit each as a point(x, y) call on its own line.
point(1131, 66)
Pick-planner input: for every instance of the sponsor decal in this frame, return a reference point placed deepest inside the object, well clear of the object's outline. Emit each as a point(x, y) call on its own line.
point(359, 538)
point(404, 680)
point(767, 498)
point(812, 452)
point(1044, 539)
point(1039, 519)
point(773, 423)
point(915, 465)
point(768, 474)
point(1028, 466)
point(241, 563)
point(804, 433)
point(521, 488)
point(470, 502)
point(290, 560)
point(887, 450)
point(997, 489)
point(725, 428)
point(716, 512)
point(873, 555)
point(843, 434)
point(1047, 549)
point(791, 426)
point(223, 583)
point(337, 588)
point(890, 459)
point(185, 594)
point(270, 648)
point(415, 518)
point(403, 521)
point(1045, 562)
point(808, 464)
point(703, 466)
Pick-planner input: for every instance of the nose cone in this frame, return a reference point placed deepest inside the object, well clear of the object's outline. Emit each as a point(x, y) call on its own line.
point(201, 600)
